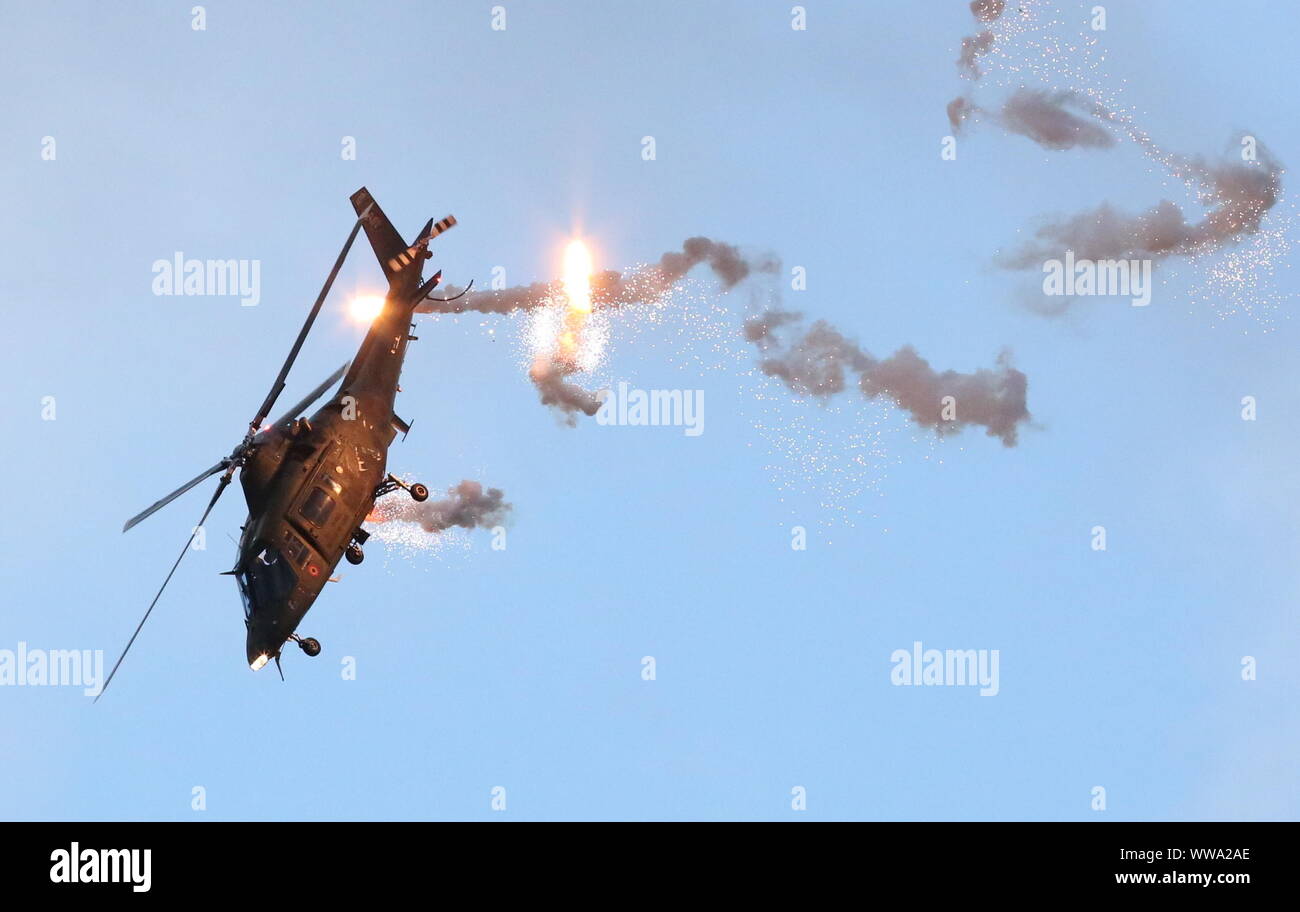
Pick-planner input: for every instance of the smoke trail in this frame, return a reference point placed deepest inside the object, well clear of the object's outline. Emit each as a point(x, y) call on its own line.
point(819, 361)
point(1235, 195)
point(972, 48)
point(1238, 194)
point(612, 288)
point(959, 110)
point(552, 367)
point(1042, 117)
point(521, 297)
point(816, 364)
point(975, 46)
point(468, 506)
point(548, 375)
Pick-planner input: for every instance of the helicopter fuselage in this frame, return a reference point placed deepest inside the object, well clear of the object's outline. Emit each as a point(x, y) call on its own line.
point(311, 482)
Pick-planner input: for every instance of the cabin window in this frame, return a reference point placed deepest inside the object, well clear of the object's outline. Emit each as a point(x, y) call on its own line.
point(294, 549)
point(318, 507)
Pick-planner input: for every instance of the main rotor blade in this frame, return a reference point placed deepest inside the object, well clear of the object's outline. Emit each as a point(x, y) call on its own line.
point(314, 394)
point(158, 505)
point(278, 386)
point(221, 486)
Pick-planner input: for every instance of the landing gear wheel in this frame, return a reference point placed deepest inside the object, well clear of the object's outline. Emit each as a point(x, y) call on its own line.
point(310, 645)
point(419, 493)
point(354, 554)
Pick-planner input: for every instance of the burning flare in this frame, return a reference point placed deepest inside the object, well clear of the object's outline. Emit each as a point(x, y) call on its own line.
point(565, 340)
point(577, 301)
point(577, 276)
point(365, 308)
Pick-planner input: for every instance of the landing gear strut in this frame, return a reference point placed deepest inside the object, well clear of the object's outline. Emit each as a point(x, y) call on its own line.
point(419, 493)
point(309, 645)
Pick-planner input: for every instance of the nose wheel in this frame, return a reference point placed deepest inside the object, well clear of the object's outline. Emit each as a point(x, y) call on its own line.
point(419, 493)
point(354, 554)
point(309, 645)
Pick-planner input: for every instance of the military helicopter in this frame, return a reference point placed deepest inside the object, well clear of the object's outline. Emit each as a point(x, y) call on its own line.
point(311, 482)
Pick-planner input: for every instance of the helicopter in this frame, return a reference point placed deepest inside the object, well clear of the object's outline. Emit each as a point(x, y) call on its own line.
point(310, 482)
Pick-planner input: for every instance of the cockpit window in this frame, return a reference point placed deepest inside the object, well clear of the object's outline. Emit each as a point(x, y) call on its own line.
point(318, 507)
point(242, 579)
point(269, 580)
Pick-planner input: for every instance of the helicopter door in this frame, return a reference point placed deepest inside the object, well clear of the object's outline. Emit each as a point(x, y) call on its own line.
point(325, 511)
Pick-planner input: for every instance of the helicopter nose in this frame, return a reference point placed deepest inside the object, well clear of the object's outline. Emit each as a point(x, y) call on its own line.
point(261, 648)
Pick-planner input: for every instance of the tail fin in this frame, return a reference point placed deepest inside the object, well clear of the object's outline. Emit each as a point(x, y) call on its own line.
point(388, 244)
point(393, 253)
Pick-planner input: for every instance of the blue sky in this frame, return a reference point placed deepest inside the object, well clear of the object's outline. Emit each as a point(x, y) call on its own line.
point(522, 668)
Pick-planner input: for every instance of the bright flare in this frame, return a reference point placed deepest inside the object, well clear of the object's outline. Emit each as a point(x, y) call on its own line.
point(577, 302)
point(577, 276)
point(365, 308)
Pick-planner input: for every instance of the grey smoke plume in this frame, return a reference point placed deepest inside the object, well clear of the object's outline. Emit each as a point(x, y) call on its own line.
point(548, 375)
point(505, 300)
point(972, 48)
point(817, 363)
point(467, 506)
point(725, 261)
point(612, 288)
point(820, 361)
point(1238, 194)
point(975, 46)
point(1042, 116)
point(959, 109)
